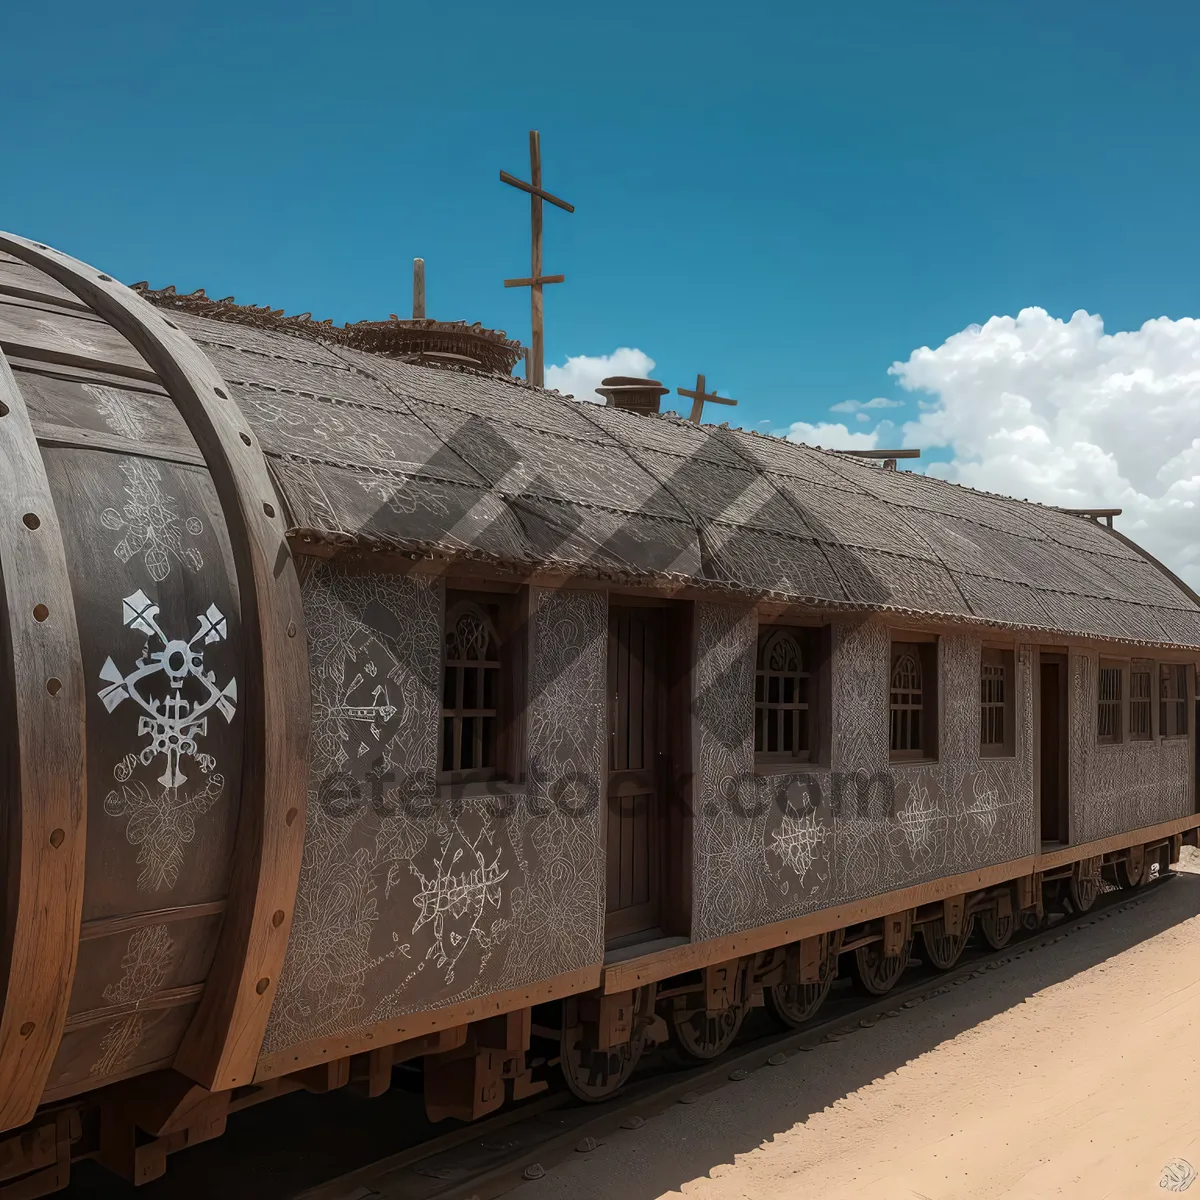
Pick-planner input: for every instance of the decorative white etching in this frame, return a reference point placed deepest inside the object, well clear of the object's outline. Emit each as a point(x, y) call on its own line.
point(68, 336)
point(176, 696)
point(151, 524)
point(799, 842)
point(411, 898)
point(148, 958)
point(464, 888)
point(1128, 785)
point(923, 825)
point(374, 646)
point(124, 413)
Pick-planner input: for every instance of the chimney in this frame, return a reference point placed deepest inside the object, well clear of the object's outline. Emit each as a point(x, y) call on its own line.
point(633, 395)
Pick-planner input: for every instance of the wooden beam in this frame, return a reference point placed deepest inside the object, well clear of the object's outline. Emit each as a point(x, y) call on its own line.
point(541, 194)
point(537, 338)
point(539, 281)
point(418, 289)
point(431, 1020)
point(47, 813)
point(695, 956)
point(699, 397)
point(884, 454)
point(221, 1045)
point(1095, 514)
point(535, 359)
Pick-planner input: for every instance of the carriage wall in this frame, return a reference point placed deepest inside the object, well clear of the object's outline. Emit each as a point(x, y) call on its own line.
point(262, 871)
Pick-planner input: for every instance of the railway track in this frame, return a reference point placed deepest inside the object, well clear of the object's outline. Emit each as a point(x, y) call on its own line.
point(493, 1156)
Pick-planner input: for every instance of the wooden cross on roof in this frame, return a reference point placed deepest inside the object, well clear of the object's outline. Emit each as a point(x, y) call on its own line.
point(700, 397)
point(536, 279)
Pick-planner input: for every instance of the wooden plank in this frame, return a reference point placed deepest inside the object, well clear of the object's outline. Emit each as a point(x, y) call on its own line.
point(693, 956)
point(90, 439)
point(412, 1025)
point(505, 177)
point(47, 811)
point(1118, 841)
point(179, 997)
point(221, 1046)
point(20, 347)
point(107, 926)
point(541, 279)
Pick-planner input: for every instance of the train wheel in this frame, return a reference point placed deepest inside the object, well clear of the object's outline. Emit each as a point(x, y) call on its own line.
point(997, 931)
point(876, 973)
point(793, 1004)
point(700, 1036)
point(942, 949)
point(1131, 868)
point(1084, 885)
point(595, 1075)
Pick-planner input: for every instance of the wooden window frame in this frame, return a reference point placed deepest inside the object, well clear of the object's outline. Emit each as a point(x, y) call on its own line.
point(925, 650)
point(814, 643)
point(1005, 658)
point(1120, 706)
point(1168, 726)
point(505, 612)
point(1141, 666)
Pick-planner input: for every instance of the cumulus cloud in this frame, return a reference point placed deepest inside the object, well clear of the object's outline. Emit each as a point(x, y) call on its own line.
point(1061, 412)
point(582, 373)
point(860, 406)
point(831, 436)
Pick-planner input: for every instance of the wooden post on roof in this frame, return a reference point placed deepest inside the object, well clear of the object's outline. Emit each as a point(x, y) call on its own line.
point(536, 279)
point(418, 289)
point(700, 397)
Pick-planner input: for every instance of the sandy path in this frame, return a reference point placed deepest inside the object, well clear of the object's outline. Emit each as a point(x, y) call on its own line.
point(1071, 1070)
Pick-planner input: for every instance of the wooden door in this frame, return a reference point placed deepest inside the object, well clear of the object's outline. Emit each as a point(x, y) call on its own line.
point(636, 770)
point(1053, 746)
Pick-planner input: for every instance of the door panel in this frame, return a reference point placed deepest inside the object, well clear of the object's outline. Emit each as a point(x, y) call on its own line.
point(635, 771)
point(1053, 746)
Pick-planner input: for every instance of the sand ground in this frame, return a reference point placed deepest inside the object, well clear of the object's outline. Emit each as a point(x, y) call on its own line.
point(1071, 1070)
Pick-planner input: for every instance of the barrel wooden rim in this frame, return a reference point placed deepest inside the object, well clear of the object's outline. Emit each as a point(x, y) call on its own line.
point(48, 701)
point(222, 1043)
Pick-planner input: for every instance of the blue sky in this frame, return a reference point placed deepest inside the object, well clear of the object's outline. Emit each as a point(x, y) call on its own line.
point(788, 197)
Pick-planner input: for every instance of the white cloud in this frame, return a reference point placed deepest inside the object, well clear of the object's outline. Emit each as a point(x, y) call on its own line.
point(1064, 413)
point(832, 437)
point(858, 406)
point(582, 373)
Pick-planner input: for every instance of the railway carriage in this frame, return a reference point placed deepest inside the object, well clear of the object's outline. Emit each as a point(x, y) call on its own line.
point(361, 704)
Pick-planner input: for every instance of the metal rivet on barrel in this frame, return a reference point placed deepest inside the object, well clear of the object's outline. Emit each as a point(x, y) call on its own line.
point(40, 612)
point(277, 919)
point(53, 686)
point(292, 813)
point(269, 509)
point(245, 438)
point(27, 1029)
point(220, 393)
point(56, 838)
point(291, 629)
point(106, 278)
point(262, 985)
point(32, 520)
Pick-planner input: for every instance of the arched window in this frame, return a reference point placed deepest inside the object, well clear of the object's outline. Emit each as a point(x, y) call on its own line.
point(997, 711)
point(471, 692)
point(913, 699)
point(783, 695)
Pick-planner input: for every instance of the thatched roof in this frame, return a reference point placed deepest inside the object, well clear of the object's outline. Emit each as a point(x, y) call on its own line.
point(374, 452)
point(377, 453)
